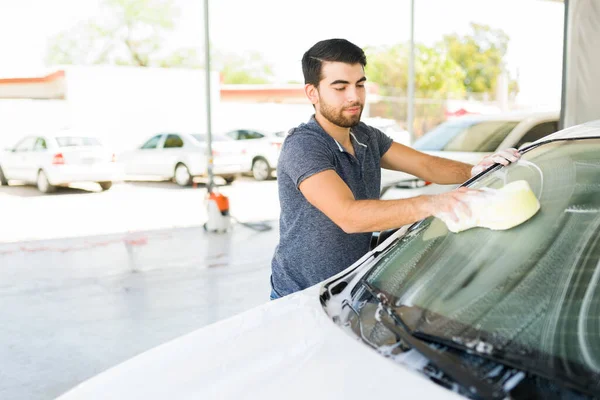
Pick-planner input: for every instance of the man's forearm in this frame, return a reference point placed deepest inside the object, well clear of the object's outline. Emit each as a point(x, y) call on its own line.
point(379, 215)
point(445, 171)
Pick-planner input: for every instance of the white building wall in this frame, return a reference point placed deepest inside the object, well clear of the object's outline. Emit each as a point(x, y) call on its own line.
point(125, 105)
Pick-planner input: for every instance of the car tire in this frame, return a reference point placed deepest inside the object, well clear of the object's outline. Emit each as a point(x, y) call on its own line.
point(182, 175)
point(229, 179)
point(43, 184)
point(105, 185)
point(3, 180)
point(261, 170)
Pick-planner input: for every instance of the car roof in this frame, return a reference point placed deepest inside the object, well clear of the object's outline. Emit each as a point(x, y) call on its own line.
point(588, 129)
point(511, 116)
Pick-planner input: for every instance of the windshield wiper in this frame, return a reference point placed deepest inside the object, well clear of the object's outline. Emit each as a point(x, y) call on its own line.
point(448, 363)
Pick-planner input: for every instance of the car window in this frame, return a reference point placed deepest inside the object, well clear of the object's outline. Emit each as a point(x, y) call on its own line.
point(538, 132)
point(247, 135)
point(233, 134)
point(152, 143)
point(72, 141)
point(531, 290)
point(40, 144)
point(483, 136)
point(25, 144)
point(438, 137)
point(173, 141)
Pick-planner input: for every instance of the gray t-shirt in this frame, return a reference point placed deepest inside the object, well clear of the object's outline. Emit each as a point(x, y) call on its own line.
point(311, 247)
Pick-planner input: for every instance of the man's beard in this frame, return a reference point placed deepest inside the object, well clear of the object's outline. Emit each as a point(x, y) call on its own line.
point(337, 117)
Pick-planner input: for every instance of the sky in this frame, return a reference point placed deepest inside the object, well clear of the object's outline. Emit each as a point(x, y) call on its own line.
point(282, 30)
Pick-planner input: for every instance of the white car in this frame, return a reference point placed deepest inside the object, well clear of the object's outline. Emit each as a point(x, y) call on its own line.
point(58, 160)
point(182, 156)
point(390, 127)
point(262, 148)
point(426, 314)
point(470, 138)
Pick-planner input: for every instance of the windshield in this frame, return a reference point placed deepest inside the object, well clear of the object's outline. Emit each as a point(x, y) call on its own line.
point(69, 141)
point(466, 135)
point(531, 290)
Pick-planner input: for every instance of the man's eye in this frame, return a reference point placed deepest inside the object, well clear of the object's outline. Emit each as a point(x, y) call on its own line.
point(361, 86)
point(338, 88)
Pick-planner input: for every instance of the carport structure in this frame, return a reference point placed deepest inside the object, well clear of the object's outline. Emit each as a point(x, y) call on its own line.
point(581, 62)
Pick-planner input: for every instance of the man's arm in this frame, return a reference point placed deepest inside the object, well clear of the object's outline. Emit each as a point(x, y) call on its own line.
point(429, 168)
point(441, 170)
point(330, 194)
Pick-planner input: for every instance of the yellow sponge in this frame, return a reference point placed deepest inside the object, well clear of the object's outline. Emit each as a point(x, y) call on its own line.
point(498, 209)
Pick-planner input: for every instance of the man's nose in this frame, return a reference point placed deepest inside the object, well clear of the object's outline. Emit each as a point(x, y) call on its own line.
point(351, 95)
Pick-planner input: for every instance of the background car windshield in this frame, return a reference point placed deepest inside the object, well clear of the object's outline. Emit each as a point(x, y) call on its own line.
point(69, 141)
point(528, 290)
point(466, 135)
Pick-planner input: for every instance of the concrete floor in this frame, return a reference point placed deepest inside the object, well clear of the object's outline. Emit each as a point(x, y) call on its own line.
point(73, 307)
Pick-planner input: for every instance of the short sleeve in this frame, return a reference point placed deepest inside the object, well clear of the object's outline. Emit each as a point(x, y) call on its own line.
point(303, 156)
point(384, 142)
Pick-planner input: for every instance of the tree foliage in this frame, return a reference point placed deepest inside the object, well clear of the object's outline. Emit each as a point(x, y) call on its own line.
point(248, 68)
point(132, 32)
point(456, 65)
point(128, 32)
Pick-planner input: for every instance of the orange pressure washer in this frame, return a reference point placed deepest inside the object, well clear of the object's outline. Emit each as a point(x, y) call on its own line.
point(219, 219)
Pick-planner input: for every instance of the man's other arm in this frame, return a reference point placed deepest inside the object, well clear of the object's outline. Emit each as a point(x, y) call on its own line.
point(330, 194)
point(441, 170)
point(429, 168)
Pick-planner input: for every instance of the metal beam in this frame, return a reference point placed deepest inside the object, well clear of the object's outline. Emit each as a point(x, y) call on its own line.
point(209, 154)
point(411, 75)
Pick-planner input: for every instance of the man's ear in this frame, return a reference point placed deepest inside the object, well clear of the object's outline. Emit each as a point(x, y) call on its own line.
point(312, 93)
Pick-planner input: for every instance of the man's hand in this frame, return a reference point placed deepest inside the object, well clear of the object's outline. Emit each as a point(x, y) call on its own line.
point(503, 157)
point(451, 204)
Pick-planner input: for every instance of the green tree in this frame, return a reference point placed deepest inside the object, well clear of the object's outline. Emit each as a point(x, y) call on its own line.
point(130, 32)
point(456, 65)
point(436, 75)
point(388, 67)
point(480, 54)
point(249, 68)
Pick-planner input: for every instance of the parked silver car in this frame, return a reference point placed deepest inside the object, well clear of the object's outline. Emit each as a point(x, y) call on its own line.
point(182, 156)
point(262, 149)
point(470, 138)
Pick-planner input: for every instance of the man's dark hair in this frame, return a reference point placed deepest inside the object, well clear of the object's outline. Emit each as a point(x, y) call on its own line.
point(333, 50)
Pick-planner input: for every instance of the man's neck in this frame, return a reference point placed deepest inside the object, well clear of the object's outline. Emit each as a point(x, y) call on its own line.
point(341, 134)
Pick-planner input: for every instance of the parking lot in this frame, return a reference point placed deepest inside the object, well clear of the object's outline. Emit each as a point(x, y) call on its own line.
point(127, 207)
point(90, 278)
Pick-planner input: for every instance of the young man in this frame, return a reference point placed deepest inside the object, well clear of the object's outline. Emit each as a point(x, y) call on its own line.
point(329, 175)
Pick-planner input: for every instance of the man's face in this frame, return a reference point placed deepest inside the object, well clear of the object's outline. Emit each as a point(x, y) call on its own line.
point(340, 97)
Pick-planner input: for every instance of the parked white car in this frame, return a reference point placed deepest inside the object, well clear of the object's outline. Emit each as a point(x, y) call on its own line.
point(390, 127)
point(470, 138)
point(182, 156)
point(427, 314)
point(262, 150)
point(58, 160)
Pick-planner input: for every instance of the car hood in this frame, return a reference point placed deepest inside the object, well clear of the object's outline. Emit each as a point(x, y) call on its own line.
point(284, 348)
